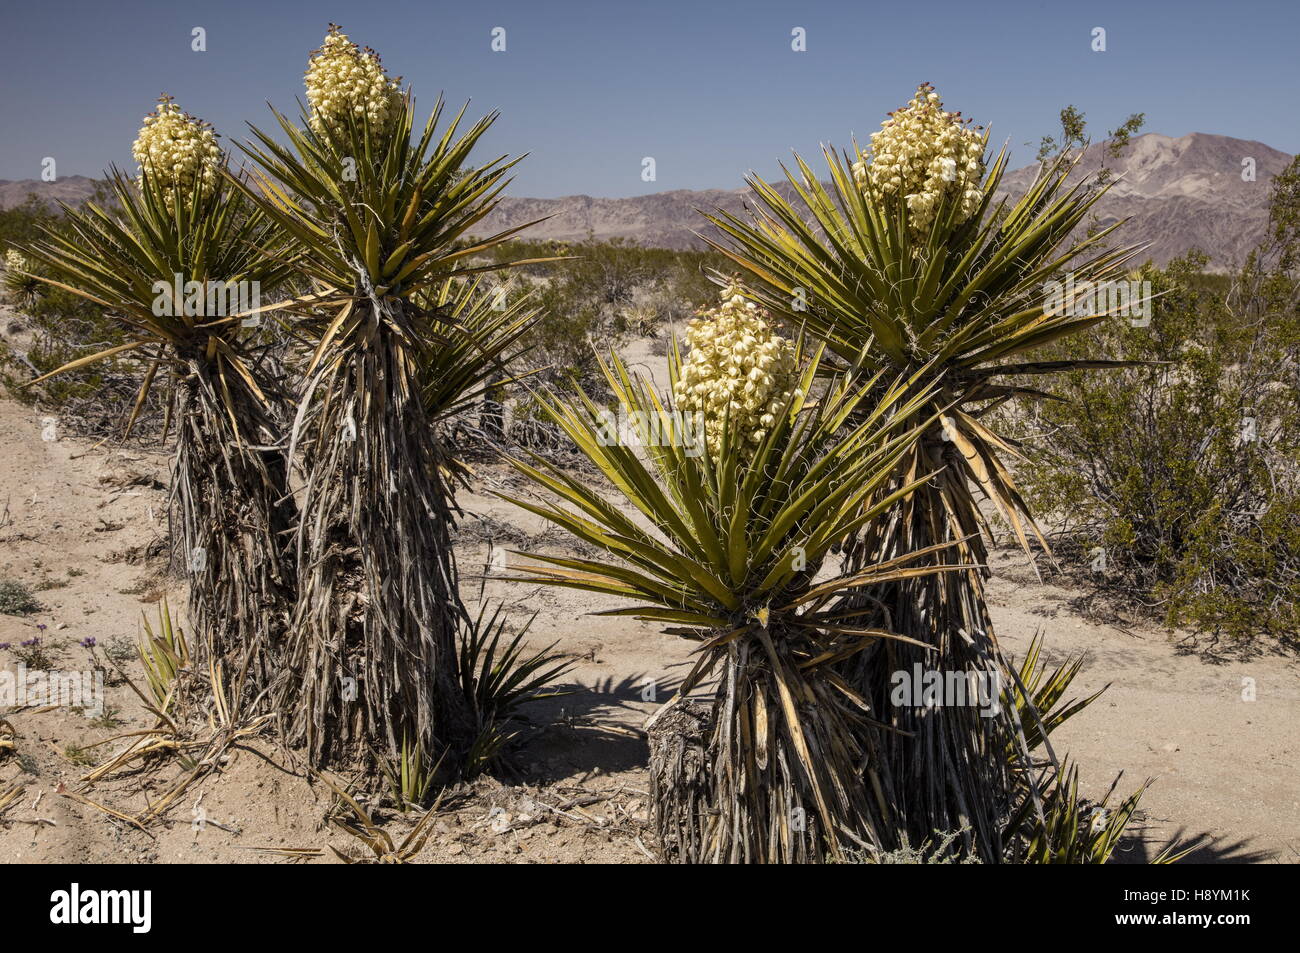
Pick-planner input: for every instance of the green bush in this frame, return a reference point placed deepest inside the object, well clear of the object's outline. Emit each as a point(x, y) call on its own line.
point(16, 599)
point(603, 294)
point(1177, 483)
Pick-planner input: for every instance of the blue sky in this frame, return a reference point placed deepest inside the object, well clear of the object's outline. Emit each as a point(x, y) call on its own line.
point(709, 89)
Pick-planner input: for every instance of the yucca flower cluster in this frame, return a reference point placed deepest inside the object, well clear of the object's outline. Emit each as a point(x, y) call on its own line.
point(738, 368)
point(175, 148)
point(343, 79)
point(923, 155)
point(18, 278)
point(14, 262)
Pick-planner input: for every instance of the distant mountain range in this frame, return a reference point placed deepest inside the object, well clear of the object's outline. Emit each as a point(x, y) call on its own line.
point(72, 189)
point(1178, 194)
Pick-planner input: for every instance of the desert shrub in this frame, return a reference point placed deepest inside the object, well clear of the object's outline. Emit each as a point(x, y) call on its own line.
point(591, 296)
point(16, 599)
point(1176, 481)
point(22, 222)
point(57, 327)
point(63, 328)
point(603, 293)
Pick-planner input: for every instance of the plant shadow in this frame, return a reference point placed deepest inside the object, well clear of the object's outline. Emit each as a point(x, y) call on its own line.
point(588, 730)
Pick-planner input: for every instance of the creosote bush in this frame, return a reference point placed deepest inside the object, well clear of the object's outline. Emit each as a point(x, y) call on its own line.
point(598, 293)
point(1176, 485)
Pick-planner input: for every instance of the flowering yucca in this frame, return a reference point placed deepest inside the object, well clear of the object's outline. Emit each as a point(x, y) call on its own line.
point(343, 79)
point(379, 215)
point(15, 262)
point(182, 221)
point(731, 557)
point(948, 302)
point(738, 367)
point(177, 150)
point(18, 280)
point(923, 154)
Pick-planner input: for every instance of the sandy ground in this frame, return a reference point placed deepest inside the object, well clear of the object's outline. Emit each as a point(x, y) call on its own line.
point(78, 523)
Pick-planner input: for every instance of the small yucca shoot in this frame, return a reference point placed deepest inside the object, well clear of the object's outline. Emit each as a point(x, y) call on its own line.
point(164, 654)
point(409, 776)
point(731, 560)
point(1068, 831)
point(361, 825)
point(498, 676)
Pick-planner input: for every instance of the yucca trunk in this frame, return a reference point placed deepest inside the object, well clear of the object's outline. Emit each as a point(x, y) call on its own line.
point(943, 768)
point(373, 661)
point(236, 524)
point(775, 782)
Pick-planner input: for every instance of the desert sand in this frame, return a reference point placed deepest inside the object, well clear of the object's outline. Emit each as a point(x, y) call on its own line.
point(86, 525)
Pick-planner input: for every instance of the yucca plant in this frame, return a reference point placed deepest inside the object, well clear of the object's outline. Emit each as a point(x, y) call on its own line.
point(498, 677)
point(164, 653)
point(483, 337)
point(362, 825)
point(22, 285)
point(736, 509)
point(177, 262)
point(378, 214)
point(1052, 824)
point(909, 264)
point(409, 777)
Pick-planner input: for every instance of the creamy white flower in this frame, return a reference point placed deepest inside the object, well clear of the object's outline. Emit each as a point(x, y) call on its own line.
point(178, 150)
point(737, 368)
point(343, 79)
point(15, 262)
point(922, 155)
